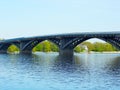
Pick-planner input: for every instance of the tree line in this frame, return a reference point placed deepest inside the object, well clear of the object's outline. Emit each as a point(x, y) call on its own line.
point(47, 46)
point(96, 47)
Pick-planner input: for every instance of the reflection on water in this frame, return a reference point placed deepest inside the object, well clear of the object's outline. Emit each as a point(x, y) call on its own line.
point(49, 71)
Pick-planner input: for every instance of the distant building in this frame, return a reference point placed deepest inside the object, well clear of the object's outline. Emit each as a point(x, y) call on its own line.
point(84, 47)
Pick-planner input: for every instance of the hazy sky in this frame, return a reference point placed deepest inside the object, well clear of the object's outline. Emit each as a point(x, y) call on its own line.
point(22, 18)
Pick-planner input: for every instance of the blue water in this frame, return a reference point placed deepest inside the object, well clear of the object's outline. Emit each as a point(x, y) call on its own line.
point(45, 71)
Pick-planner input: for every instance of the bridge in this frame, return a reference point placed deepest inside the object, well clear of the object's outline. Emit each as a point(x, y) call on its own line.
point(65, 42)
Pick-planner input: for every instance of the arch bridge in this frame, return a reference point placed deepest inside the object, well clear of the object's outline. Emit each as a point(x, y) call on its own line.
point(65, 42)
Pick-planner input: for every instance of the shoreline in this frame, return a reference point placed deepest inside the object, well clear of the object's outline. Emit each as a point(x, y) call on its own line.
point(74, 52)
point(107, 52)
point(100, 52)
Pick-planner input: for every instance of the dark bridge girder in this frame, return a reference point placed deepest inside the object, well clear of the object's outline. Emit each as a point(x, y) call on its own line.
point(4, 47)
point(27, 46)
point(65, 42)
point(69, 44)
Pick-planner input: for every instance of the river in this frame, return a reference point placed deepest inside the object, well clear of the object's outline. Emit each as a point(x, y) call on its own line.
point(47, 71)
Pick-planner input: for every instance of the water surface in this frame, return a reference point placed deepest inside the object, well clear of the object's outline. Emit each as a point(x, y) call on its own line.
point(47, 71)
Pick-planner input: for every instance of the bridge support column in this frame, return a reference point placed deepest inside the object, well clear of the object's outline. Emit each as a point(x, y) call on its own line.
point(25, 52)
point(24, 49)
point(3, 48)
point(66, 54)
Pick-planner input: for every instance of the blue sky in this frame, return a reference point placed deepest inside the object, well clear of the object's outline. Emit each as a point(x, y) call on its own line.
point(23, 18)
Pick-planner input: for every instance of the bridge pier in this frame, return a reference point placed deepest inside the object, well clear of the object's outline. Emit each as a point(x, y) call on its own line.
point(24, 47)
point(25, 52)
point(66, 54)
point(3, 48)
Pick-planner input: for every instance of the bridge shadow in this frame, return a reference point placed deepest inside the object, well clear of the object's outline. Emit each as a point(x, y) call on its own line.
point(115, 64)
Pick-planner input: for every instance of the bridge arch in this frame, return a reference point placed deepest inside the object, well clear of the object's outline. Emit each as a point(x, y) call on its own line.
point(13, 49)
point(73, 43)
point(29, 46)
point(46, 46)
point(8, 47)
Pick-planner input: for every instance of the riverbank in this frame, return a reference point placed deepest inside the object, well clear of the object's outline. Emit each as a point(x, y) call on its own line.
point(91, 52)
point(107, 52)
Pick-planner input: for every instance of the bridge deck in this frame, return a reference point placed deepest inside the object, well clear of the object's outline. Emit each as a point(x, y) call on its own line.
point(62, 35)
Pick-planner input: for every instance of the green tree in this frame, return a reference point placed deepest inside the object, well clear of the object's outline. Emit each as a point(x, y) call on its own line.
point(89, 45)
point(77, 49)
point(13, 48)
point(54, 47)
point(98, 47)
point(108, 47)
point(46, 46)
point(39, 47)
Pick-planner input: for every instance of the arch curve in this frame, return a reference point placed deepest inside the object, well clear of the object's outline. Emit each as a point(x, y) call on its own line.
point(31, 44)
point(72, 44)
point(4, 47)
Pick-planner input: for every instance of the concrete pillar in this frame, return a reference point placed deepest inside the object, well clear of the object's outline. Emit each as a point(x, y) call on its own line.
point(3, 48)
point(66, 54)
point(25, 52)
point(24, 49)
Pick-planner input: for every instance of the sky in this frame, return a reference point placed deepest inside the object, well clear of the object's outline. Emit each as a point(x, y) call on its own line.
point(24, 18)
